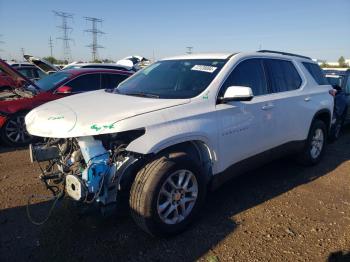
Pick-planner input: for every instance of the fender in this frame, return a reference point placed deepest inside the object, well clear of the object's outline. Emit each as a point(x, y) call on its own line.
point(143, 146)
point(325, 115)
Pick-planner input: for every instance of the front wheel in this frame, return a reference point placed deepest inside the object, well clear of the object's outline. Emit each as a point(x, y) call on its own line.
point(315, 144)
point(14, 132)
point(167, 194)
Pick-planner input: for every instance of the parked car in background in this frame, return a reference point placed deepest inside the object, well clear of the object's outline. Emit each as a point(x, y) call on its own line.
point(30, 71)
point(180, 126)
point(99, 65)
point(15, 103)
point(339, 78)
point(136, 62)
point(43, 65)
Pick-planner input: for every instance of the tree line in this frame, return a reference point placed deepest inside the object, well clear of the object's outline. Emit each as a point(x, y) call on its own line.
point(341, 63)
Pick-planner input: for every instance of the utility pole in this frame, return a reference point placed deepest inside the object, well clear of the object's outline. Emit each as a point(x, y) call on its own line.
point(66, 30)
point(1, 42)
point(189, 49)
point(95, 32)
point(22, 52)
point(51, 46)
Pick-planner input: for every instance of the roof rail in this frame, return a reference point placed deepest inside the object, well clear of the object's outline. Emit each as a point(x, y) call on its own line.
point(283, 53)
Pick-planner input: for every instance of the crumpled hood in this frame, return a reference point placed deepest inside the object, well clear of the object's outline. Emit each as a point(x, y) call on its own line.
point(90, 113)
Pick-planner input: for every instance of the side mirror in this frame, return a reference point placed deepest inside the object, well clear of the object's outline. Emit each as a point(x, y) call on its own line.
point(64, 90)
point(237, 93)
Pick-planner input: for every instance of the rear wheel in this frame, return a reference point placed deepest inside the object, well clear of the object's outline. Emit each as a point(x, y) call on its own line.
point(167, 194)
point(336, 129)
point(14, 132)
point(315, 144)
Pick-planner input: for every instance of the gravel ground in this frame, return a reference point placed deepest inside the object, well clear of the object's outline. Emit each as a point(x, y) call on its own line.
point(280, 212)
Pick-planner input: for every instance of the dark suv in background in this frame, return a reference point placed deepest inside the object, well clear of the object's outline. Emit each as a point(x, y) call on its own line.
point(339, 78)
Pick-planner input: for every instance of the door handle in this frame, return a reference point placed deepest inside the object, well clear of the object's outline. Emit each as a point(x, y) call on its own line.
point(307, 99)
point(267, 106)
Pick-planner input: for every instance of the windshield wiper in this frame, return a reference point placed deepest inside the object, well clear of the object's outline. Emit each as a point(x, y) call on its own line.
point(143, 95)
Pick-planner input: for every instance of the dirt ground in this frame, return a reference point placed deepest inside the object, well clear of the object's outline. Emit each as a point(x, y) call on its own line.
point(280, 212)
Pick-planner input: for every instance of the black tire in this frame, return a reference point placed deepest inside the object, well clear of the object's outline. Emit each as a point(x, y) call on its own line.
point(306, 157)
point(145, 193)
point(9, 138)
point(336, 129)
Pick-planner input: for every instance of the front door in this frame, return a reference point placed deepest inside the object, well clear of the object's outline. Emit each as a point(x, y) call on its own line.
point(242, 125)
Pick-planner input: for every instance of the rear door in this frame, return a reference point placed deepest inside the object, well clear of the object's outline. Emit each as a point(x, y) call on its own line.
point(289, 105)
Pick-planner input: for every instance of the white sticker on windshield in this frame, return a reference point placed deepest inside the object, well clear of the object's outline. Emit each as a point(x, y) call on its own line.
point(203, 68)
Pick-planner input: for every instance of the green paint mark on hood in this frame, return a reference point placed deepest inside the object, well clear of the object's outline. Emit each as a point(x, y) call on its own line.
point(98, 128)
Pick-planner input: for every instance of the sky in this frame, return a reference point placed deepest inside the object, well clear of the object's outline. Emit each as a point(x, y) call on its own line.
point(315, 28)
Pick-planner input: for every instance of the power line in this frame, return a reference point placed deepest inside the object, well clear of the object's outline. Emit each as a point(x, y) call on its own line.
point(95, 32)
point(66, 30)
point(51, 46)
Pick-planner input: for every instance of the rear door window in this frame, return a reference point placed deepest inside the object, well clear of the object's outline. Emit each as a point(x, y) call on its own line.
point(110, 81)
point(248, 73)
point(84, 83)
point(282, 75)
point(316, 73)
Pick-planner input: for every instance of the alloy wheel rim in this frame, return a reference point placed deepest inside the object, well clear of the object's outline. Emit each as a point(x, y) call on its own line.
point(317, 143)
point(177, 197)
point(16, 131)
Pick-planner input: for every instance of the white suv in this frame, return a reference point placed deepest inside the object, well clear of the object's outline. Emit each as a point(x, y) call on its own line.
point(179, 127)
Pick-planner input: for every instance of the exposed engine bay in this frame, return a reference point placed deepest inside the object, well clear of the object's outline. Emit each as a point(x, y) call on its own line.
point(15, 94)
point(88, 168)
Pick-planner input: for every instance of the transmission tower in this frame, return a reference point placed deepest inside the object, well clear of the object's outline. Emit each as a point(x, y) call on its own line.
point(95, 32)
point(189, 49)
point(66, 30)
point(51, 46)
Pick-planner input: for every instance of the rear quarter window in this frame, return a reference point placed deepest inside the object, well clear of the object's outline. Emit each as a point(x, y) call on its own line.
point(316, 73)
point(282, 75)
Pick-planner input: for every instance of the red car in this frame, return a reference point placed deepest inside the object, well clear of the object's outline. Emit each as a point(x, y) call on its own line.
point(16, 103)
point(8, 82)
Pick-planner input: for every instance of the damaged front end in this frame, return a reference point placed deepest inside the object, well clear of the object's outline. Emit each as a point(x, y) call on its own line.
point(88, 169)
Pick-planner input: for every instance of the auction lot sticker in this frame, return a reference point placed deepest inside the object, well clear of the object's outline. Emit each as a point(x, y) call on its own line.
point(203, 68)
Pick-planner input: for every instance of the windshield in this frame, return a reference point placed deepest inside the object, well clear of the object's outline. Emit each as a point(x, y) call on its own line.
point(335, 80)
point(172, 78)
point(52, 80)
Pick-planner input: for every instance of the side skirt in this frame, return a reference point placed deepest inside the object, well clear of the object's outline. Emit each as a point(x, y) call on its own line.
point(253, 162)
